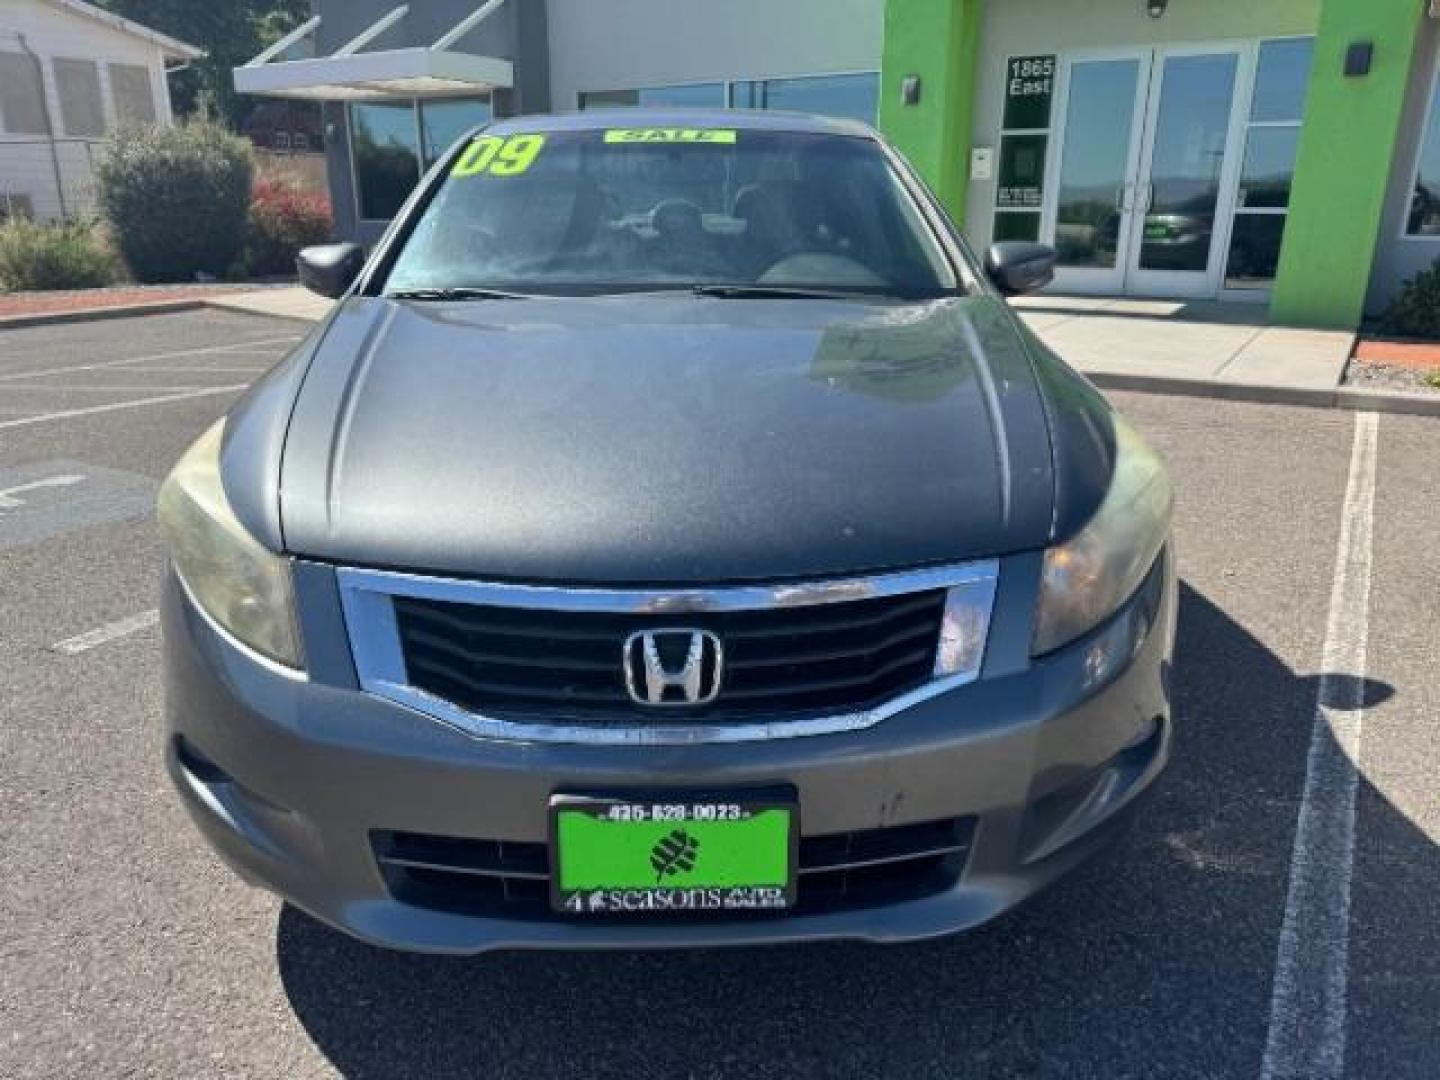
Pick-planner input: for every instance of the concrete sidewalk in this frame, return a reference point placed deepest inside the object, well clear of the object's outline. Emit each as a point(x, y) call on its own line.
point(1226, 343)
point(1210, 349)
point(292, 303)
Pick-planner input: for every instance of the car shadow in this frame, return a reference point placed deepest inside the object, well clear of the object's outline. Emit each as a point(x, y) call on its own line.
point(1155, 961)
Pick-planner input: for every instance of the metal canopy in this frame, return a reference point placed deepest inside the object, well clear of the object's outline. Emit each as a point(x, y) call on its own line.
point(351, 74)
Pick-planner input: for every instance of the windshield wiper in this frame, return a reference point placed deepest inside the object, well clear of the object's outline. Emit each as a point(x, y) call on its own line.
point(779, 292)
point(459, 292)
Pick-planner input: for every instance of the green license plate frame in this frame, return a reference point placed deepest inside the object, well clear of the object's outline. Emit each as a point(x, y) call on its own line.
point(656, 855)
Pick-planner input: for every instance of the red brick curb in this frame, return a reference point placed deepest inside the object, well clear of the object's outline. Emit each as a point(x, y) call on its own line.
point(1399, 353)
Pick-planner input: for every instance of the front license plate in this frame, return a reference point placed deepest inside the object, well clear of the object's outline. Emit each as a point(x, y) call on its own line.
point(665, 856)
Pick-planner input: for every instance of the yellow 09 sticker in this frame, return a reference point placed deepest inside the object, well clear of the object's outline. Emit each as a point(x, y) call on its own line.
point(498, 157)
point(670, 135)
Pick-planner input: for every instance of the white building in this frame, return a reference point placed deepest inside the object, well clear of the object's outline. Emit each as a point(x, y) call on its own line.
point(69, 72)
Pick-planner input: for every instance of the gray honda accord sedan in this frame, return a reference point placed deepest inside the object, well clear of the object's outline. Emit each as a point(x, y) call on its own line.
point(671, 538)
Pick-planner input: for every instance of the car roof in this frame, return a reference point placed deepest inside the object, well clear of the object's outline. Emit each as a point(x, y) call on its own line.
point(639, 117)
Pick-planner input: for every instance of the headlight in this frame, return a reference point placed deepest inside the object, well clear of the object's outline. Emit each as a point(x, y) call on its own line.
point(240, 584)
point(1085, 579)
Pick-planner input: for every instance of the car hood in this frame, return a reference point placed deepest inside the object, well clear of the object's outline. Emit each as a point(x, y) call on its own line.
point(666, 438)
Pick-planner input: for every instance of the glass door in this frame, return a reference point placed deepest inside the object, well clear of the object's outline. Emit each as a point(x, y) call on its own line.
point(1186, 183)
point(1267, 166)
point(1101, 113)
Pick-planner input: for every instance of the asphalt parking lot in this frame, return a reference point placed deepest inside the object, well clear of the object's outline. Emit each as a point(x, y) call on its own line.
point(1220, 941)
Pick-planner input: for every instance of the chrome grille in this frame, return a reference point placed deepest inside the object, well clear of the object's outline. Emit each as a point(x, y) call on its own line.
point(545, 663)
point(827, 657)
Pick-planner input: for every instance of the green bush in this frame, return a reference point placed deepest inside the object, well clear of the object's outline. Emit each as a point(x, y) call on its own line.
point(1416, 311)
point(283, 219)
point(176, 199)
point(63, 255)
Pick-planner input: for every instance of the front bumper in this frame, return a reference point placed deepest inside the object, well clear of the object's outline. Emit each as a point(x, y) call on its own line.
point(289, 779)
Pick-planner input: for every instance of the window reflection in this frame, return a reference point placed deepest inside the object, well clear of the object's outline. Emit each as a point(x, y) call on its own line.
point(1254, 250)
point(1272, 140)
point(1189, 151)
point(1281, 79)
point(852, 96)
point(445, 121)
point(1424, 219)
point(1269, 166)
point(383, 146)
point(1097, 150)
point(692, 96)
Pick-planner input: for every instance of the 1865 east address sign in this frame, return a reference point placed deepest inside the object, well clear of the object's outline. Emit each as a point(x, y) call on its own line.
point(1029, 88)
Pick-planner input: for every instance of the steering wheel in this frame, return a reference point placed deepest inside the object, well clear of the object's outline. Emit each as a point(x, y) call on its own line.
point(677, 219)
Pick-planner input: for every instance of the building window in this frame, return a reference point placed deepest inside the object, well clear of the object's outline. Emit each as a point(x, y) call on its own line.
point(689, 96)
point(1280, 81)
point(1094, 162)
point(81, 110)
point(1424, 217)
point(282, 140)
point(384, 147)
point(392, 143)
point(22, 109)
point(854, 96)
point(1015, 227)
point(442, 122)
point(1024, 143)
point(1272, 137)
point(130, 89)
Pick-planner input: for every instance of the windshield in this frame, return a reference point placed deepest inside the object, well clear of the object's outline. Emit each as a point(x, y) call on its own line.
point(622, 209)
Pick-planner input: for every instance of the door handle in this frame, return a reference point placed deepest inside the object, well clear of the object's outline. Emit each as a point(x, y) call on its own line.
point(1149, 196)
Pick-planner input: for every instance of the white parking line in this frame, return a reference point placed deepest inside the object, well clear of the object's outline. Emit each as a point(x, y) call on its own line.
point(197, 369)
point(109, 632)
point(241, 348)
point(115, 406)
point(1306, 1037)
point(232, 348)
point(10, 497)
point(114, 388)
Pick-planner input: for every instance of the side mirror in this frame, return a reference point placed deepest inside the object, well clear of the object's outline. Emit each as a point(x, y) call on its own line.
point(1019, 266)
point(329, 269)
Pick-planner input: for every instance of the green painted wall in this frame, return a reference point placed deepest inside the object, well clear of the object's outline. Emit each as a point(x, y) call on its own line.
point(1346, 147)
point(937, 40)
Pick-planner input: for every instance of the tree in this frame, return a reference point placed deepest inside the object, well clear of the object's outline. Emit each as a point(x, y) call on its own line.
point(230, 32)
